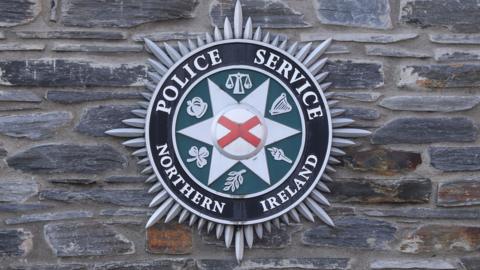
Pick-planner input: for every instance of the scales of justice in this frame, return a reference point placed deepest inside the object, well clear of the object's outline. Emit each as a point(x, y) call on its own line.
point(242, 82)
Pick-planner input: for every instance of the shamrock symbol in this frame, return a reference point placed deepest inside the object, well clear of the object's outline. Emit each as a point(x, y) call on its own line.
point(198, 155)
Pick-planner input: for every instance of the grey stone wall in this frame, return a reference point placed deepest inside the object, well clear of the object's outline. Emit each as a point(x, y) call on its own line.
point(408, 197)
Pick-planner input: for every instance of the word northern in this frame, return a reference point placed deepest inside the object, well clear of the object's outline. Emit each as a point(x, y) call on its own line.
point(309, 95)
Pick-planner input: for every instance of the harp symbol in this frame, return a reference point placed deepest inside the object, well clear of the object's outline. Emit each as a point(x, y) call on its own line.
point(280, 105)
point(238, 82)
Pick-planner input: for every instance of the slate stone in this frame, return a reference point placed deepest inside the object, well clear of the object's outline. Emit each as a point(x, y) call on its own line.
point(361, 113)
point(455, 159)
point(456, 55)
point(170, 239)
point(409, 264)
point(50, 267)
point(463, 16)
point(15, 12)
point(17, 190)
point(63, 72)
point(439, 76)
point(127, 212)
point(267, 14)
point(459, 193)
point(398, 52)
point(72, 34)
point(275, 263)
point(73, 181)
point(123, 197)
point(2, 35)
point(377, 191)
point(168, 36)
point(49, 216)
point(126, 13)
point(73, 97)
point(426, 130)
point(440, 238)
point(382, 161)
point(67, 158)
point(359, 37)
point(72, 239)
point(373, 14)
point(163, 264)
point(96, 48)
point(352, 232)
point(354, 75)
point(455, 38)
point(6, 47)
point(96, 120)
point(471, 263)
point(19, 96)
point(430, 103)
point(37, 126)
point(125, 179)
point(424, 213)
point(15, 242)
point(277, 239)
point(358, 96)
point(21, 207)
point(19, 106)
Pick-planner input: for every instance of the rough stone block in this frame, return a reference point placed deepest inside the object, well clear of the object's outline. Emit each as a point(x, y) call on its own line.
point(430, 103)
point(267, 14)
point(441, 238)
point(96, 120)
point(12, 47)
point(358, 13)
point(19, 96)
point(377, 191)
point(412, 264)
point(425, 213)
point(358, 96)
point(439, 76)
point(169, 238)
point(62, 72)
point(458, 16)
point(97, 48)
point(471, 263)
point(456, 55)
point(455, 38)
point(23, 207)
point(15, 242)
point(72, 239)
point(15, 12)
point(426, 130)
point(75, 266)
point(72, 34)
point(459, 193)
point(126, 13)
point(276, 263)
point(17, 190)
point(50, 216)
point(398, 52)
point(355, 75)
point(168, 36)
point(360, 37)
point(124, 197)
point(352, 232)
point(71, 158)
point(361, 113)
point(382, 161)
point(35, 126)
point(73, 97)
point(454, 159)
point(164, 264)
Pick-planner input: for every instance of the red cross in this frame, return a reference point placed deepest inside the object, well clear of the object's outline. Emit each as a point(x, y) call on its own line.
point(239, 131)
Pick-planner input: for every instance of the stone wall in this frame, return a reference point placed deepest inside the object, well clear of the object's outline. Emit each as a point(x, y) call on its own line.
point(407, 197)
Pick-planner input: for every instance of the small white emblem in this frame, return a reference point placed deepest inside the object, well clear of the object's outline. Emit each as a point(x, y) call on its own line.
point(280, 105)
point(234, 180)
point(198, 155)
point(242, 82)
point(278, 154)
point(196, 107)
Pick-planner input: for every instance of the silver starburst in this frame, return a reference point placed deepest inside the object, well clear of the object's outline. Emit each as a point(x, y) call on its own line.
point(313, 60)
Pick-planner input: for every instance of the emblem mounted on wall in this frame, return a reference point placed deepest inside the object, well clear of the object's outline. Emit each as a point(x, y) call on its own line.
point(238, 133)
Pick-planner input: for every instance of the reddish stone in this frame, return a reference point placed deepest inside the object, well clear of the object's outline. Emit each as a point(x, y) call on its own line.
point(459, 193)
point(170, 238)
point(382, 161)
point(441, 238)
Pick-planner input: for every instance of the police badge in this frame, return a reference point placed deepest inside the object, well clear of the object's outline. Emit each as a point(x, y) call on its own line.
point(238, 133)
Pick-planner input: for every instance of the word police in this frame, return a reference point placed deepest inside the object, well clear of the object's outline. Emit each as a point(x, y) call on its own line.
point(303, 88)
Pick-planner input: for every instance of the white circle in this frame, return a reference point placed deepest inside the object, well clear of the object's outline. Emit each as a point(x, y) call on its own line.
point(234, 137)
